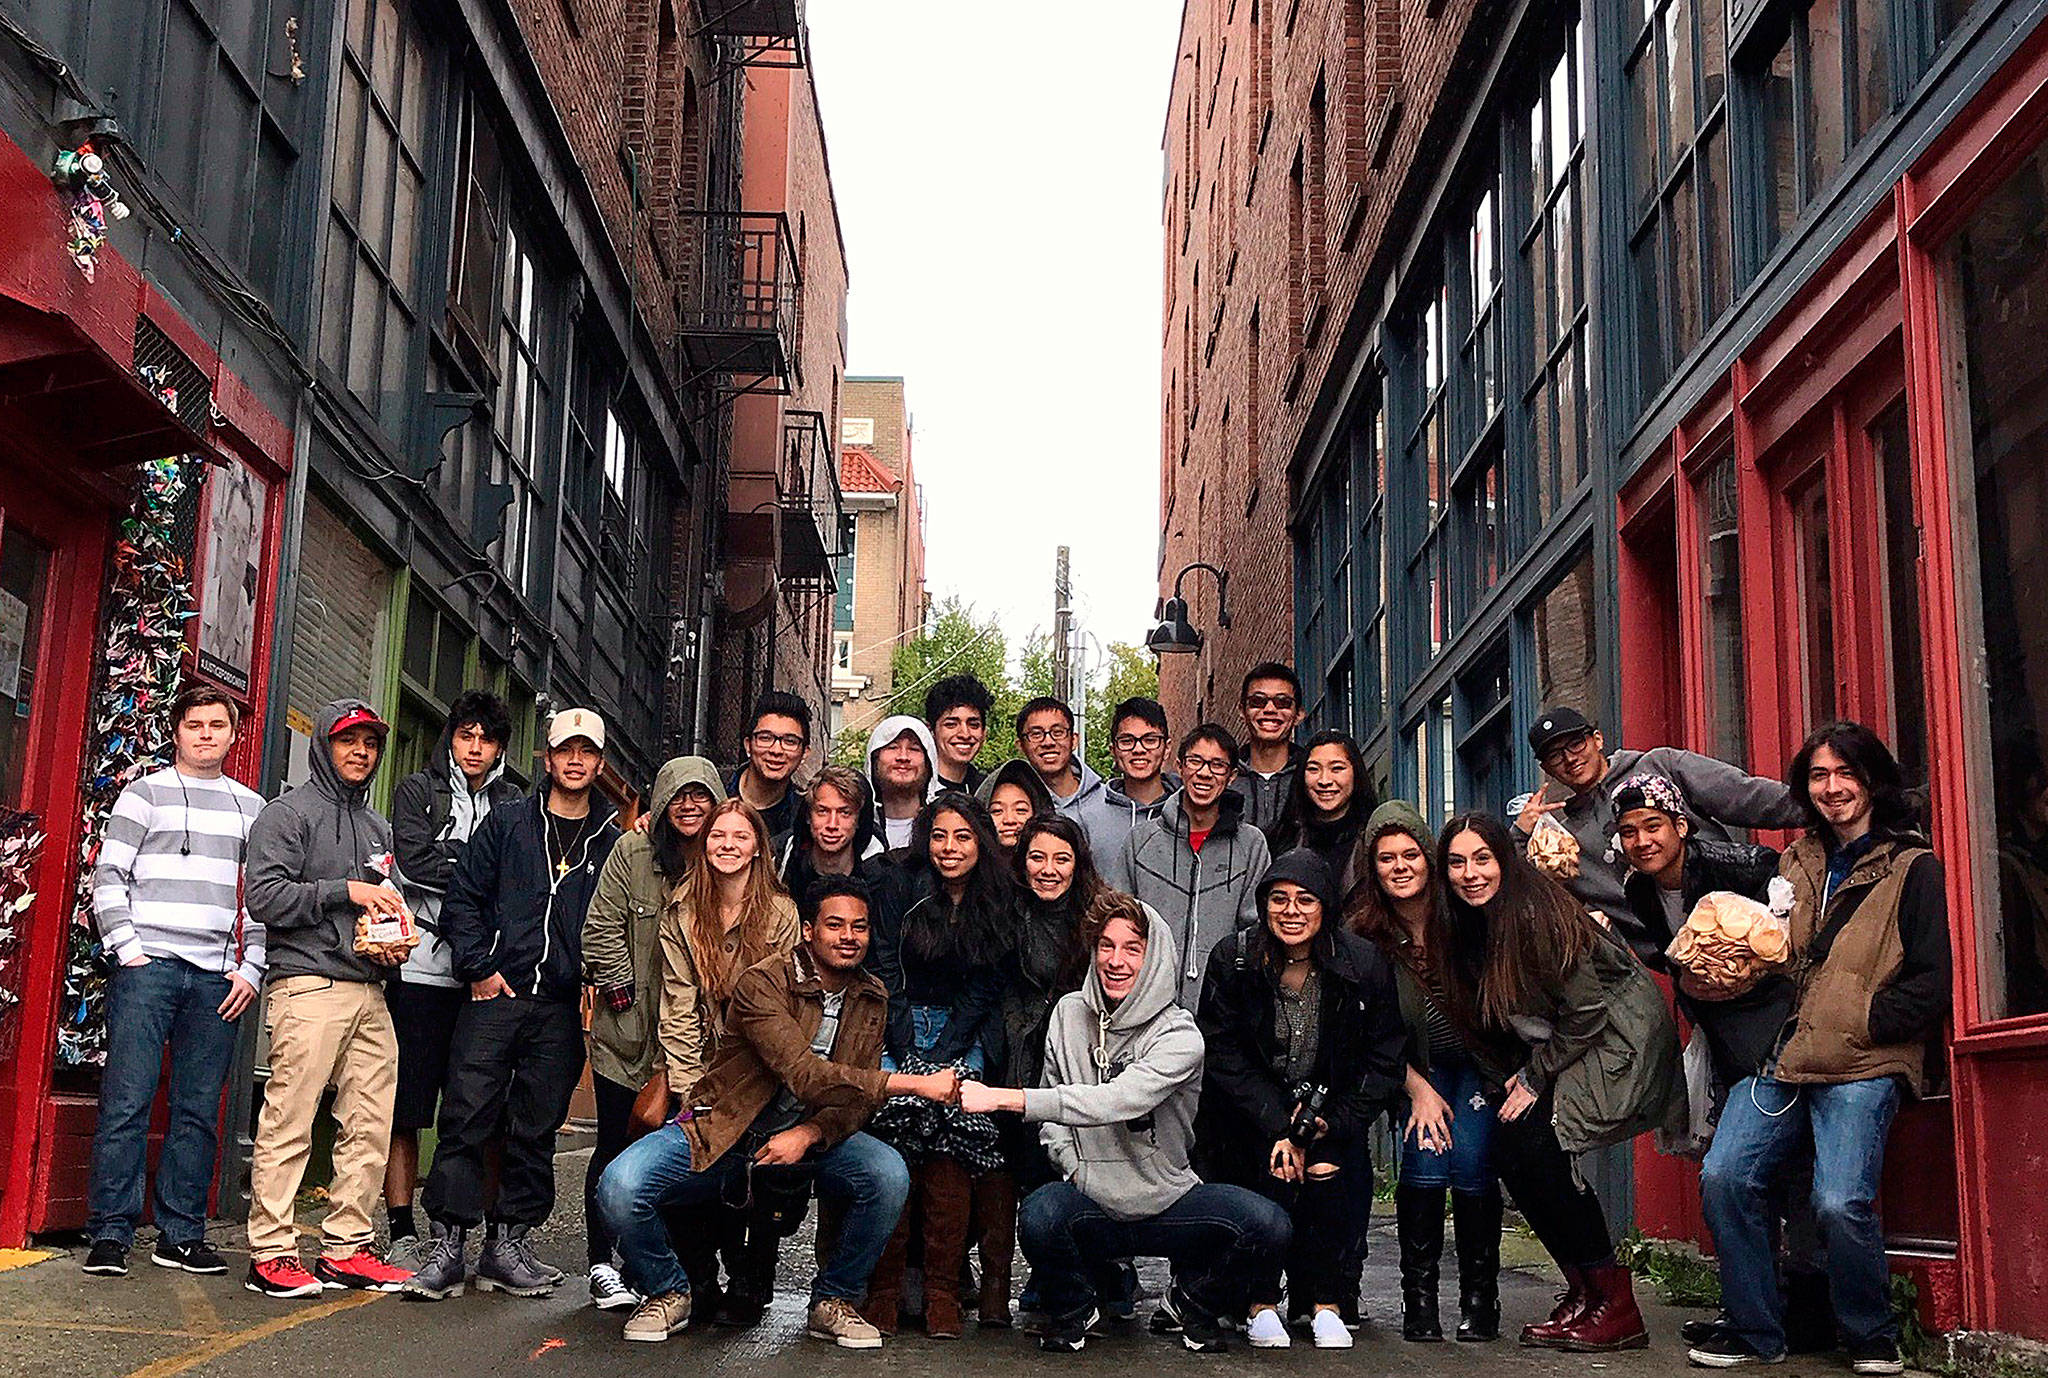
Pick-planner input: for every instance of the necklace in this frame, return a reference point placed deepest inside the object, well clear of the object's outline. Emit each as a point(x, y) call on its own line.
point(556, 844)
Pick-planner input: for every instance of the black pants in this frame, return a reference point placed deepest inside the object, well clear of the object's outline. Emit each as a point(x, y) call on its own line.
point(614, 1132)
point(1328, 1239)
point(512, 1070)
point(1561, 1209)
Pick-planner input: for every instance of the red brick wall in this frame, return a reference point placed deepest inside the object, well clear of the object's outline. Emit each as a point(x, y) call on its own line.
point(1263, 268)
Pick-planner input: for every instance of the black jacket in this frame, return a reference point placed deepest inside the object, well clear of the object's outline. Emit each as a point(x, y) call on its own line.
point(968, 986)
point(1041, 967)
point(508, 913)
point(1245, 1106)
point(419, 812)
point(781, 818)
point(1742, 1033)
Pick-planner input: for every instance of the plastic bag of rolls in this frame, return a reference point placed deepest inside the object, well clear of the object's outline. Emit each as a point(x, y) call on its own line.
point(1729, 943)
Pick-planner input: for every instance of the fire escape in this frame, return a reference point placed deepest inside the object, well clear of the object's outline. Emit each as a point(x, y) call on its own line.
point(758, 33)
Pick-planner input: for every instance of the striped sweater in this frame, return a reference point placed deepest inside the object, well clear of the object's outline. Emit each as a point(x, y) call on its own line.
point(168, 880)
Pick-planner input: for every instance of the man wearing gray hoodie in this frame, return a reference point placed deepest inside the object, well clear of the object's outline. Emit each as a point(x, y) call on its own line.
point(1123, 1075)
point(903, 767)
point(1045, 738)
point(318, 858)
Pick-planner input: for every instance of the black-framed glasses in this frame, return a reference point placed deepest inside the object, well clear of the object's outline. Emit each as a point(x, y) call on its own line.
point(788, 741)
point(1036, 735)
point(1557, 752)
point(1207, 765)
point(1151, 741)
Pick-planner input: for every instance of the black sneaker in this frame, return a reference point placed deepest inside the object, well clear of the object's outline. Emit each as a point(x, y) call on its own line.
point(1880, 1356)
point(1069, 1334)
point(1166, 1320)
point(1199, 1331)
point(196, 1257)
point(1729, 1350)
point(107, 1259)
point(1698, 1332)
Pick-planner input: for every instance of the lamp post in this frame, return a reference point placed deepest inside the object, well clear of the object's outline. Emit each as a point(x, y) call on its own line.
point(1175, 635)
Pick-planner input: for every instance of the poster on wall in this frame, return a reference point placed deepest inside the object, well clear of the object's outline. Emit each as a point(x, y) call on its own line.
point(234, 551)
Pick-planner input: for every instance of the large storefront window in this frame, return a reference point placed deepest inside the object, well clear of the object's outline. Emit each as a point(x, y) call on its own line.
point(1999, 302)
point(1567, 627)
point(1427, 572)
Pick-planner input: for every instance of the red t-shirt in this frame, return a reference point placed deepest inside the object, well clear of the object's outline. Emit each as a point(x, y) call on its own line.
point(1197, 838)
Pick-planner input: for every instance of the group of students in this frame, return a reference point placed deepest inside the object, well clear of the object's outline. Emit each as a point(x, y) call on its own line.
point(1151, 1016)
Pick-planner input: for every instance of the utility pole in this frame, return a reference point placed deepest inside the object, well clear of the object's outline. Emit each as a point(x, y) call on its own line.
point(1062, 614)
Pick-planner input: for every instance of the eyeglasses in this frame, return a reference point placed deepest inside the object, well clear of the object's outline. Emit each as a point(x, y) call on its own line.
point(1206, 765)
point(1555, 754)
point(788, 741)
point(1283, 702)
point(1300, 904)
point(1036, 735)
point(1151, 741)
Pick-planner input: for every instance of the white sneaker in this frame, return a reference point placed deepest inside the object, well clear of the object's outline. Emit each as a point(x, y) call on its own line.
point(1328, 1329)
point(608, 1291)
point(1267, 1329)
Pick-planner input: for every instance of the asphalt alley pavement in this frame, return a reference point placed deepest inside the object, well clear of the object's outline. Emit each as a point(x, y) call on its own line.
point(57, 1322)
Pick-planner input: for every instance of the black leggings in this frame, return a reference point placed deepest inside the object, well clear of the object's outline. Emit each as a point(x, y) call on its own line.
point(614, 1132)
point(1562, 1210)
point(1328, 1237)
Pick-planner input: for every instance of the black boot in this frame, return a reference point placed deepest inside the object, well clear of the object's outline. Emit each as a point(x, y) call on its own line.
point(1419, 1221)
point(1477, 1221)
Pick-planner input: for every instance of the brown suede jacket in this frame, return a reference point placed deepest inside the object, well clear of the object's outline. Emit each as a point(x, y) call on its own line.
point(776, 1008)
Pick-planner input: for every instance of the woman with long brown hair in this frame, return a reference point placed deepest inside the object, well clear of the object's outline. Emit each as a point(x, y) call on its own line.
point(729, 913)
point(1600, 1061)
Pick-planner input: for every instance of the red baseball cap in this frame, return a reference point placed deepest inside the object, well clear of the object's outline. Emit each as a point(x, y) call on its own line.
point(359, 716)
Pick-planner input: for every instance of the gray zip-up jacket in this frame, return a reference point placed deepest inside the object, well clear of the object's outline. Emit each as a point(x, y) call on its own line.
point(1145, 813)
point(304, 849)
point(1203, 897)
point(1120, 1089)
point(1720, 797)
point(1265, 796)
point(1106, 817)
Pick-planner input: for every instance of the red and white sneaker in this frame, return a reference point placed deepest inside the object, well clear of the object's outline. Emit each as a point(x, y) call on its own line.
point(361, 1270)
point(282, 1277)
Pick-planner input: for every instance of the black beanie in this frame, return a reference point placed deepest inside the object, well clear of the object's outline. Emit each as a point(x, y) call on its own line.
point(1306, 869)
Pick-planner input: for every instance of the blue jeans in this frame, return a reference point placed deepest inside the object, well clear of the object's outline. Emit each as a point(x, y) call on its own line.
point(162, 1001)
point(1218, 1237)
point(863, 1174)
point(1468, 1167)
point(927, 1026)
point(1763, 1123)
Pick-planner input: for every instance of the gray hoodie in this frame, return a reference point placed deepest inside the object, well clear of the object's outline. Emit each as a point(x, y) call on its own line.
point(1121, 1086)
point(1205, 896)
point(887, 731)
point(304, 849)
point(1106, 817)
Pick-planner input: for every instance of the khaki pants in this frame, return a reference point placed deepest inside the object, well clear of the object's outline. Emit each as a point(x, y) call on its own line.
point(323, 1033)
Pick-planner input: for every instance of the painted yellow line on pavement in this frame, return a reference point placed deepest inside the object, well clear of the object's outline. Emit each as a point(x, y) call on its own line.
point(219, 1345)
point(21, 1258)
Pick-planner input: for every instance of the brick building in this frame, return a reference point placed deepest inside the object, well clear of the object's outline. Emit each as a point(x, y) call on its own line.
point(881, 600)
point(1666, 360)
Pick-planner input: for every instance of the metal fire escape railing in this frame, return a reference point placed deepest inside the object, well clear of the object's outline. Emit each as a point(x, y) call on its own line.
point(807, 489)
point(758, 33)
point(740, 319)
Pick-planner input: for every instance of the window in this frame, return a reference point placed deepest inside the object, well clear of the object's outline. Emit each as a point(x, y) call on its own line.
point(1681, 241)
point(370, 312)
point(1369, 467)
point(1827, 84)
point(842, 575)
point(1814, 586)
point(1567, 637)
point(1427, 569)
point(1324, 563)
point(520, 418)
point(1554, 396)
point(1482, 344)
point(474, 260)
point(1721, 597)
point(1997, 283)
point(1888, 440)
point(1485, 749)
point(1436, 763)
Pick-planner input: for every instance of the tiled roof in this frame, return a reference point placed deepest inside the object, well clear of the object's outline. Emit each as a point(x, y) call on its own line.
point(861, 472)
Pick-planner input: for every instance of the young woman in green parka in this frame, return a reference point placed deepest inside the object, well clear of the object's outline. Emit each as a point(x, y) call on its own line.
point(622, 959)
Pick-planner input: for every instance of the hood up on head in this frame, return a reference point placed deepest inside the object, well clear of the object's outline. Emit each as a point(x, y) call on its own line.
point(320, 757)
point(887, 731)
point(1398, 816)
point(678, 771)
point(1017, 771)
point(1152, 994)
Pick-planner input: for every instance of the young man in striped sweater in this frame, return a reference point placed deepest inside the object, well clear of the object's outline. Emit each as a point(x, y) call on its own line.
point(167, 895)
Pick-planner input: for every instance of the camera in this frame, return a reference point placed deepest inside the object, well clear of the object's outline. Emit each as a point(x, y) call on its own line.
point(1308, 1108)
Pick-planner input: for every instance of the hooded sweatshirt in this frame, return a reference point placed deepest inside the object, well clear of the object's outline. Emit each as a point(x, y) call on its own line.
point(1017, 771)
point(887, 731)
point(1204, 896)
point(304, 849)
point(433, 813)
point(1106, 817)
point(1120, 1088)
point(1266, 796)
point(1142, 813)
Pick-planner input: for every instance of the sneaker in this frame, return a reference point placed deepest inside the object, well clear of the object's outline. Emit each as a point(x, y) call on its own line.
point(443, 1272)
point(361, 1271)
point(107, 1259)
point(608, 1291)
point(1266, 1329)
point(407, 1252)
point(1200, 1332)
point(1698, 1332)
point(506, 1266)
point(834, 1319)
point(1879, 1356)
point(1329, 1330)
point(196, 1257)
point(1726, 1349)
point(282, 1277)
point(1069, 1334)
point(1118, 1293)
point(657, 1318)
point(1166, 1319)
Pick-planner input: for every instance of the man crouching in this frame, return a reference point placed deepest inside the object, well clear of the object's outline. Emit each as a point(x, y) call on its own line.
point(796, 1074)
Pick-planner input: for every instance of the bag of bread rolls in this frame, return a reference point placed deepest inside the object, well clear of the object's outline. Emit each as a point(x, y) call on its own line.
point(1729, 943)
point(1553, 849)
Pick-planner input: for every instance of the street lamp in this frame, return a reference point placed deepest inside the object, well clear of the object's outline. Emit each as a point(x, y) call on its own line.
point(1175, 635)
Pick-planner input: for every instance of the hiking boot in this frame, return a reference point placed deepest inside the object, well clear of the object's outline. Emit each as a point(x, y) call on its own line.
point(657, 1318)
point(1725, 1349)
point(443, 1272)
point(107, 1259)
point(834, 1319)
point(361, 1271)
point(608, 1291)
point(282, 1277)
point(506, 1265)
point(407, 1252)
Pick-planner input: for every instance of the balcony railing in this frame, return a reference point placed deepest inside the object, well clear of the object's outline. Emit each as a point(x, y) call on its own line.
point(807, 489)
point(757, 33)
point(740, 316)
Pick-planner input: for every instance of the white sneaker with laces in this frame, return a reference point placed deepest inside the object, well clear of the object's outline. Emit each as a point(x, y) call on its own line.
point(1329, 1331)
point(608, 1291)
point(1267, 1329)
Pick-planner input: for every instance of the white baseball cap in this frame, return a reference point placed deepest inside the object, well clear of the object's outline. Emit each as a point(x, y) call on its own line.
point(576, 722)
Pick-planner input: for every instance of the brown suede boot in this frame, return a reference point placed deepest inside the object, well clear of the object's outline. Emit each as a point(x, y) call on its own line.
point(948, 1192)
point(1611, 1319)
point(883, 1307)
point(995, 1210)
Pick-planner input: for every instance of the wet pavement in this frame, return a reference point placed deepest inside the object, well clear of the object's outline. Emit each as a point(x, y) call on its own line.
point(57, 1321)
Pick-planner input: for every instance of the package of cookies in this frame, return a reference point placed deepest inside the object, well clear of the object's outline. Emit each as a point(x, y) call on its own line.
point(388, 942)
point(1729, 943)
point(1553, 849)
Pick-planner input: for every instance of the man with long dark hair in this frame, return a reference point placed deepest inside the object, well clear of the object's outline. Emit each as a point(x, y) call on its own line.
point(1870, 963)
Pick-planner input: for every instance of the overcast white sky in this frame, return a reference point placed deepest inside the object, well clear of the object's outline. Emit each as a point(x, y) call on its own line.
point(997, 169)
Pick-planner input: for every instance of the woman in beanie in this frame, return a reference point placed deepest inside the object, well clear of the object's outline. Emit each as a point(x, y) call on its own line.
point(1304, 1038)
